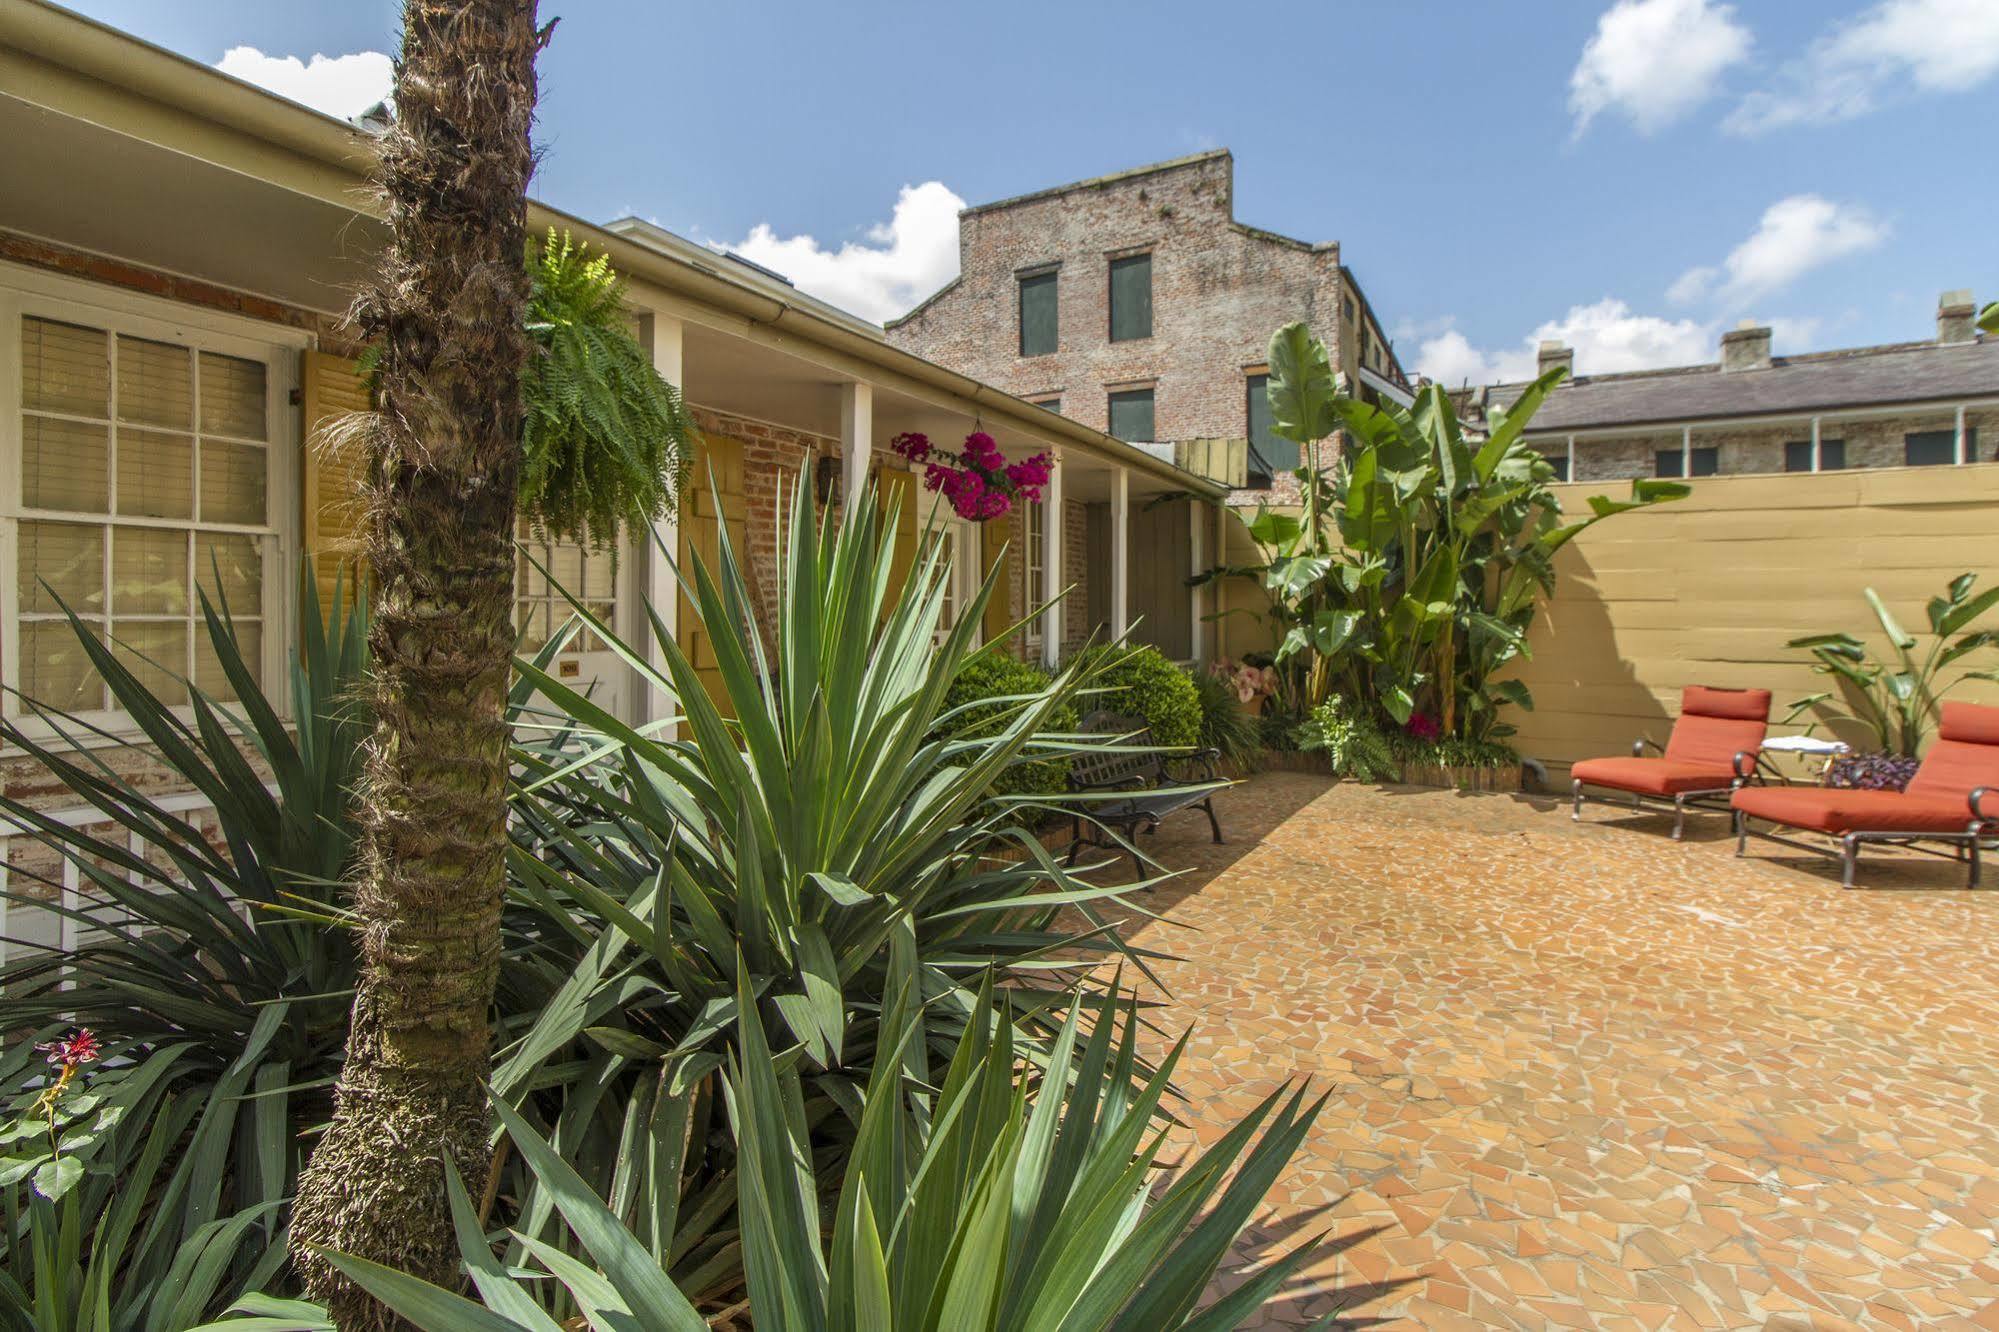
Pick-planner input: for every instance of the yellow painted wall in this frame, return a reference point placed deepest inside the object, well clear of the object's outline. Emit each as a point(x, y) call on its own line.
point(1707, 590)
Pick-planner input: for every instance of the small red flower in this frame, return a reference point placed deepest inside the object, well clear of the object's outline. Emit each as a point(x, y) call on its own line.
point(74, 1050)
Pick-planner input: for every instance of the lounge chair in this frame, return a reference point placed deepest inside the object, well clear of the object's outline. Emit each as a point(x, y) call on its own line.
point(1953, 798)
point(1697, 766)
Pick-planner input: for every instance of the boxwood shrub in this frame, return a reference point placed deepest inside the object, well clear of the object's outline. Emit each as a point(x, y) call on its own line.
point(1141, 682)
point(993, 674)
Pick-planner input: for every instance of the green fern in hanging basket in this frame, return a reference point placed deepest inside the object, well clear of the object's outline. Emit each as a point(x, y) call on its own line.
point(604, 439)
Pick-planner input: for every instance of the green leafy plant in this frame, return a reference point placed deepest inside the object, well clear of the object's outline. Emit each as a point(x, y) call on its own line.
point(987, 690)
point(1896, 699)
point(604, 438)
point(1227, 727)
point(987, 1201)
point(1352, 743)
point(1413, 576)
point(1142, 682)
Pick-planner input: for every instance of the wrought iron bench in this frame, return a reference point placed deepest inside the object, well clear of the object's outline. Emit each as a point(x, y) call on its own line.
point(1156, 790)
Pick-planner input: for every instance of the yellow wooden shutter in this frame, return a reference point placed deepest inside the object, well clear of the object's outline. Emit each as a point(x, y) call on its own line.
point(999, 607)
point(897, 491)
point(333, 388)
point(715, 491)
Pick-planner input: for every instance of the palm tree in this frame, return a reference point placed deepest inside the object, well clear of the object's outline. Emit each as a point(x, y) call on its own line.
point(446, 311)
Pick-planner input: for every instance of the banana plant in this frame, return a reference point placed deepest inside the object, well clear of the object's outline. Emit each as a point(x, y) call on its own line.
point(1897, 700)
point(1413, 575)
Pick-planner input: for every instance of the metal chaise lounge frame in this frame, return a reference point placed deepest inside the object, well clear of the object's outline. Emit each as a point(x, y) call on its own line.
point(1945, 778)
point(1717, 729)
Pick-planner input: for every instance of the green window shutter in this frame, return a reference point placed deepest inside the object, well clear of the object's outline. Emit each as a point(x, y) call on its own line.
point(1131, 415)
point(1038, 323)
point(1131, 298)
point(1668, 462)
point(1274, 454)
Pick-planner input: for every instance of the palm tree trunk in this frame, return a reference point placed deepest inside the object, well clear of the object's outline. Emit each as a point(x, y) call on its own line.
point(444, 453)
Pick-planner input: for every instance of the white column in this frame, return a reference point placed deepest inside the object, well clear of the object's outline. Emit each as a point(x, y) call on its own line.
point(1054, 524)
point(1686, 453)
point(1572, 460)
point(655, 575)
point(1817, 443)
point(1120, 552)
point(1963, 449)
point(1197, 635)
point(857, 433)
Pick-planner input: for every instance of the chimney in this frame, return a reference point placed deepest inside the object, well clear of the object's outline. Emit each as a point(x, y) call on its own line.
point(1956, 317)
point(1746, 347)
point(1554, 354)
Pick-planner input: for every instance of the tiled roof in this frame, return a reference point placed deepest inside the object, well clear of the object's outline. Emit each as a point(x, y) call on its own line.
point(1865, 377)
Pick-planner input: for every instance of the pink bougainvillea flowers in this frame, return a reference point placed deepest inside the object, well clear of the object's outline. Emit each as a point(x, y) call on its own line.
point(978, 481)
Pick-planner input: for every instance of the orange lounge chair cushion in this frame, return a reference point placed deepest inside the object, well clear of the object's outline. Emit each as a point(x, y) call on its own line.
point(1717, 724)
point(1652, 776)
point(1964, 757)
point(1837, 812)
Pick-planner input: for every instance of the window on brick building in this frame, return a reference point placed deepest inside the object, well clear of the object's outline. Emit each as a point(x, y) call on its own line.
point(1270, 453)
point(1131, 415)
point(1706, 460)
point(146, 478)
point(1052, 404)
point(1039, 326)
point(1935, 448)
point(1798, 455)
point(1131, 298)
point(1560, 462)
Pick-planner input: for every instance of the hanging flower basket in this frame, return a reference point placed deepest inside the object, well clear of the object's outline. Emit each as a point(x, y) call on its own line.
point(978, 481)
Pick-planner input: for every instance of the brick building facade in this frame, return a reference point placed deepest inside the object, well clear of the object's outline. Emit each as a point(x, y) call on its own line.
point(1137, 303)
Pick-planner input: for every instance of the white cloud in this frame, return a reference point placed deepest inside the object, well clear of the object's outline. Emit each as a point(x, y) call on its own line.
point(1655, 61)
point(1607, 337)
point(1796, 235)
point(902, 261)
point(342, 86)
point(1936, 46)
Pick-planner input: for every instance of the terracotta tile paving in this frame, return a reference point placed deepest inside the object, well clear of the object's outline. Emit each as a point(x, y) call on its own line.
point(1586, 1077)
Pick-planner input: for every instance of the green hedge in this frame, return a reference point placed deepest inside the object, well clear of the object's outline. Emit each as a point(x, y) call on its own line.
point(993, 674)
point(1141, 682)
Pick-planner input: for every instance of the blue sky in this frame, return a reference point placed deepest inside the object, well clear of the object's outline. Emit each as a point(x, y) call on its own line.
point(1631, 177)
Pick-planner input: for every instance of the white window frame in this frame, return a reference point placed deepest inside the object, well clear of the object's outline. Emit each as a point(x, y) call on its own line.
point(30, 293)
point(1034, 573)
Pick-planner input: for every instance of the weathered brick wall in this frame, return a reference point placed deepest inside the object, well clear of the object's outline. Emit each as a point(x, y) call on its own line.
point(1876, 441)
point(1219, 290)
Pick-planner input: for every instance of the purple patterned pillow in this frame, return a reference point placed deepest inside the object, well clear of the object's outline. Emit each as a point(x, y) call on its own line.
point(1872, 772)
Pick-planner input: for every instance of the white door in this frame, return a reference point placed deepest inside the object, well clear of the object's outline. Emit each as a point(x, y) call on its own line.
point(586, 662)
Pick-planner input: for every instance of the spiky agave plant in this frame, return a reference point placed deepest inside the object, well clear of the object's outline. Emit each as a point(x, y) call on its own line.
point(210, 957)
point(820, 815)
point(1000, 1199)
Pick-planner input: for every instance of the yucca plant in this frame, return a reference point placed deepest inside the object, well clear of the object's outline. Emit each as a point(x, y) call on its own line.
point(825, 813)
point(218, 951)
point(1003, 1198)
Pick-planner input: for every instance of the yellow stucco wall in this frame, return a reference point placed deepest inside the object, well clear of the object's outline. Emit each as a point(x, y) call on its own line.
point(1708, 589)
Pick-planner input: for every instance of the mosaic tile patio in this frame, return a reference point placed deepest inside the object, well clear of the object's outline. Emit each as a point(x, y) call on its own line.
point(1585, 1077)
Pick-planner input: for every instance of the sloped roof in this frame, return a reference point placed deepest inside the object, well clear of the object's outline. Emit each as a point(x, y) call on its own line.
point(1826, 381)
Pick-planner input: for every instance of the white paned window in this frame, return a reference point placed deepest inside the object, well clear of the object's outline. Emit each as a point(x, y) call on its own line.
point(540, 609)
point(140, 473)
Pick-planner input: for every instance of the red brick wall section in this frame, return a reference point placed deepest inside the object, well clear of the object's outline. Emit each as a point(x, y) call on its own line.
point(1219, 290)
